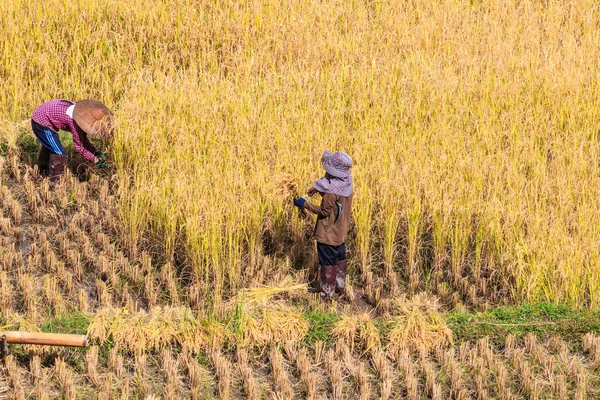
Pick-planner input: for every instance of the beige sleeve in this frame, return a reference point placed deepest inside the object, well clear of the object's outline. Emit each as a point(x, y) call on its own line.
point(327, 204)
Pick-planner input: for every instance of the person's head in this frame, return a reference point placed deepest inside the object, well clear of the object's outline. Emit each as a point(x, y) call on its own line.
point(336, 164)
point(94, 118)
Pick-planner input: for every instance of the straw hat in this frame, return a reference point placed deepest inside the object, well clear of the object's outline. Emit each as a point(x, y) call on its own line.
point(94, 118)
point(337, 164)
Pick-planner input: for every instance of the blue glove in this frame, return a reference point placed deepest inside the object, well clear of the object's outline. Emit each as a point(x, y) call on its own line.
point(102, 164)
point(100, 155)
point(299, 202)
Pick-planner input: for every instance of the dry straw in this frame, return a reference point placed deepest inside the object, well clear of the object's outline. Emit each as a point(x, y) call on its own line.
point(472, 136)
point(417, 325)
point(155, 329)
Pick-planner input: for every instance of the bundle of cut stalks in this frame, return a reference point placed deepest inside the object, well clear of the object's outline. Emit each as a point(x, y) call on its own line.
point(357, 329)
point(258, 317)
point(155, 329)
point(260, 296)
point(418, 325)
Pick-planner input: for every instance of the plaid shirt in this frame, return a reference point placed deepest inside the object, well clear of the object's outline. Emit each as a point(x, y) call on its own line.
point(53, 115)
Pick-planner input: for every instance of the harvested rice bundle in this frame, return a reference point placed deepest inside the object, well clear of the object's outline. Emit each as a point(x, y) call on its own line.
point(359, 329)
point(418, 325)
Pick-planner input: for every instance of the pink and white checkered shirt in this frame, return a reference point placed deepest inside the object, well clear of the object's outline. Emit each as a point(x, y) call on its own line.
point(53, 115)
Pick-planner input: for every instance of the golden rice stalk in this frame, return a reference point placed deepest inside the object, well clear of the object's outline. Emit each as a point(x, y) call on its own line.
point(581, 380)
point(351, 328)
point(125, 391)
point(251, 388)
point(103, 293)
point(199, 378)
point(11, 370)
point(368, 333)
point(150, 292)
point(6, 226)
point(280, 324)
point(15, 167)
point(591, 345)
point(140, 378)
point(405, 364)
point(83, 301)
point(106, 391)
point(307, 376)
point(35, 369)
point(509, 345)
point(485, 350)
point(64, 374)
point(255, 297)
point(168, 279)
point(169, 368)
point(41, 387)
point(318, 351)
point(91, 366)
point(286, 187)
point(281, 380)
point(6, 293)
point(502, 379)
point(155, 329)
point(115, 362)
point(432, 387)
point(52, 295)
point(362, 378)
point(334, 369)
point(418, 325)
point(455, 373)
point(346, 329)
point(383, 368)
point(559, 387)
point(223, 368)
point(30, 296)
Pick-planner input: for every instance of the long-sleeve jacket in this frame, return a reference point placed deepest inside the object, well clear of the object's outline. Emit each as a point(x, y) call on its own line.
point(53, 115)
point(331, 228)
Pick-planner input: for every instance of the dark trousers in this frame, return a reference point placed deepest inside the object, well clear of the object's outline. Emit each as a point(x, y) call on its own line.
point(48, 138)
point(330, 255)
point(332, 271)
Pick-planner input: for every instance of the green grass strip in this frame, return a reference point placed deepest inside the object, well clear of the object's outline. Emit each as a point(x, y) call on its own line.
point(541, 319)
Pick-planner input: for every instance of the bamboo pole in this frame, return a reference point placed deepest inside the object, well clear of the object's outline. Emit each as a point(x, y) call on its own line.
point(40, 338)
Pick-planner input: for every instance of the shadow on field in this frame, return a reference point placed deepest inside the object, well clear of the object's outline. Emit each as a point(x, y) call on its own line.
point(282, 237)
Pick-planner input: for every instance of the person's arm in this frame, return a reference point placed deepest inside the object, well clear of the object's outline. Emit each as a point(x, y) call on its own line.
point(83, 146)
point(327, 204)
point(87, 144)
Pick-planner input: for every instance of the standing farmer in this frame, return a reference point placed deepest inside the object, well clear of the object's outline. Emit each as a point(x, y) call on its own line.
point(80, 119)
point(333, 217)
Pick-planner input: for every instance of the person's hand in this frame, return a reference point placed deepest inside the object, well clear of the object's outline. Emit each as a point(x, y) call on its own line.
point(102, 164)
point(100, 155)
point(299, 202)
point(312, 191)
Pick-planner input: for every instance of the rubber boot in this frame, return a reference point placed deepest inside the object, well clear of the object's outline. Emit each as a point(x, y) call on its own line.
point(340, 276)
point(56, 167)
point(327, 281)
point(314, 280)
point(43, 160)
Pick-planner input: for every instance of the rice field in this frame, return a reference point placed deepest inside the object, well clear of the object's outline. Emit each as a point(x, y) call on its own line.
point(473, 126)
point(63, 266)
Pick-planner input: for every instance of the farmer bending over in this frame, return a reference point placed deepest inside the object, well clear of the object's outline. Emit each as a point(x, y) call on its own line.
point(333, 216)
point(80, 119)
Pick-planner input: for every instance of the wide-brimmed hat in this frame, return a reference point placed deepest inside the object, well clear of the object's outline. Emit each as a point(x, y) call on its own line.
point(336, 164)
point(94, 118)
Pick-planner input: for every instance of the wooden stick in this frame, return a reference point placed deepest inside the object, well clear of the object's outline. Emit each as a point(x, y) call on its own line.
point(49, 339)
